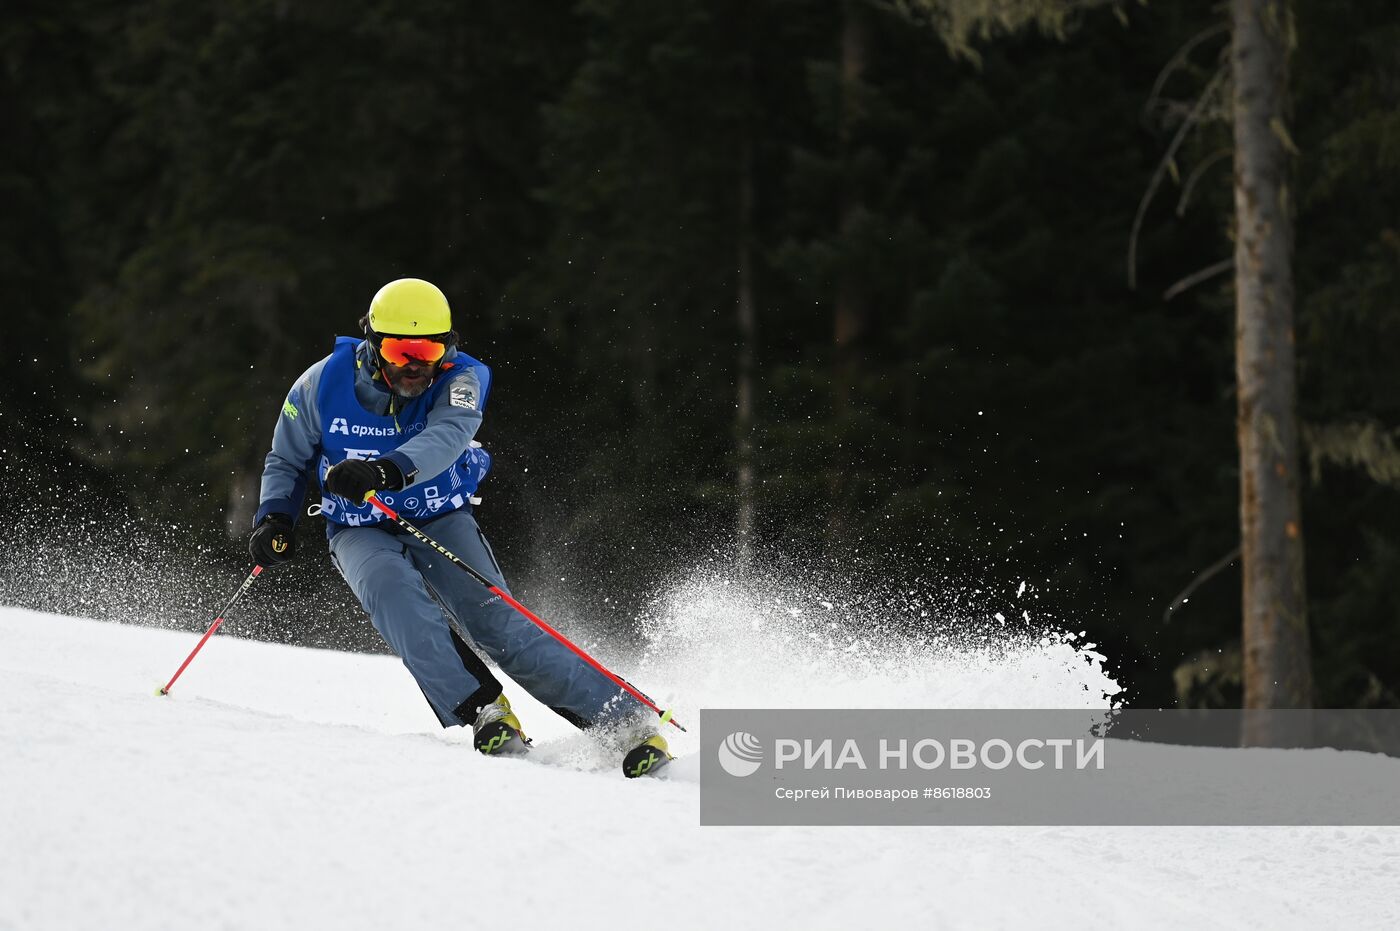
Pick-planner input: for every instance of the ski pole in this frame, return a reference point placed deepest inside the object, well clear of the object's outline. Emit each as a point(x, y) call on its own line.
point(247, 584)
point(505, 596)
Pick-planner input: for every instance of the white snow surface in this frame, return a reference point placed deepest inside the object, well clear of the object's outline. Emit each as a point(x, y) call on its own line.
point(280, 787)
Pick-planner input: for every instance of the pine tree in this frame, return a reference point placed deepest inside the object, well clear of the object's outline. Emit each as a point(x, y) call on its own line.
point(1277, 666)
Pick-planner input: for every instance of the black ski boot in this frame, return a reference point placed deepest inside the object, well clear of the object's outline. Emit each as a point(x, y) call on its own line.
point(647, 757)
point(497, 731)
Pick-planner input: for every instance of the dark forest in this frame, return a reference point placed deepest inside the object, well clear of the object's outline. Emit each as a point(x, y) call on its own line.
point(812, 289)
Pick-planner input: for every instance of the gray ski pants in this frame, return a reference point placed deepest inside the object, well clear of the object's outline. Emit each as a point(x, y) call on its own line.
point(396, 577)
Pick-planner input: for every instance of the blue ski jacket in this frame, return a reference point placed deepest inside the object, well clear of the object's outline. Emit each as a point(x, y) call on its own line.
point(341, 408)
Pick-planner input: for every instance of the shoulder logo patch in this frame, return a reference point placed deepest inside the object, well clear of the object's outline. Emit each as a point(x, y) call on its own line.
point(462, 394)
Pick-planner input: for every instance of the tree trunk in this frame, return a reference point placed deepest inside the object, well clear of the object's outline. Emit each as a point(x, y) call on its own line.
point(1276, 661)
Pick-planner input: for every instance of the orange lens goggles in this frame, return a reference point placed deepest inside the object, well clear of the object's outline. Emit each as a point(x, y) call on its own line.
point(398, 351)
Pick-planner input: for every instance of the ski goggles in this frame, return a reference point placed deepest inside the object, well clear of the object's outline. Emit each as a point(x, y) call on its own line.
point(398, 350)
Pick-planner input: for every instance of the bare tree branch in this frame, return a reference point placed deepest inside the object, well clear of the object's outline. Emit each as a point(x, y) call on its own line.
point(1202, 577)
point(1196, 174)
point(1177, 61)
point(1167, 160)
point(1205, 274)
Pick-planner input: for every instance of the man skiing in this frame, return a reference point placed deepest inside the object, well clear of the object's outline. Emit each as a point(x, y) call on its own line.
point(395, 414)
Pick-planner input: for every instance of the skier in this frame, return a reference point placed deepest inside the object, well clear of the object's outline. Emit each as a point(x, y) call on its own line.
point(395, 414)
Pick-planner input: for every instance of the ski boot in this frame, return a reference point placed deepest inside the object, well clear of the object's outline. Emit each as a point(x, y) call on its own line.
point(646, 757)
point(497, 730)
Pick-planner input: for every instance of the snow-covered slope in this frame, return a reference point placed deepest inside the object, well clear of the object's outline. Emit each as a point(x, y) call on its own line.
point(281, 787)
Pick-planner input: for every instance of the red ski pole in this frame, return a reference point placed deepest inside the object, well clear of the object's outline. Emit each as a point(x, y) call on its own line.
point(247, 584)
point(505, 596)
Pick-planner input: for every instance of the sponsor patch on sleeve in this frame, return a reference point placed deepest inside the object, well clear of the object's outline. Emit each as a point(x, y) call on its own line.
point(462, 394)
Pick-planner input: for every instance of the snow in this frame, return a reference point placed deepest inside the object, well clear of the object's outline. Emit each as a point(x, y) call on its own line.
point(280, 787)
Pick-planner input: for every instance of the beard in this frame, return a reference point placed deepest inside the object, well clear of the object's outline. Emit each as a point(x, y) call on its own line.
point(410, 385)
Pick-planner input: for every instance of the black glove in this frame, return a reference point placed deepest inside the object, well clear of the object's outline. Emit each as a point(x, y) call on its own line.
point(355, 478)
point(273, 540)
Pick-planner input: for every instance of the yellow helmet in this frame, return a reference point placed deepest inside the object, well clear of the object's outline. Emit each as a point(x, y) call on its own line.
point(410, 307)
